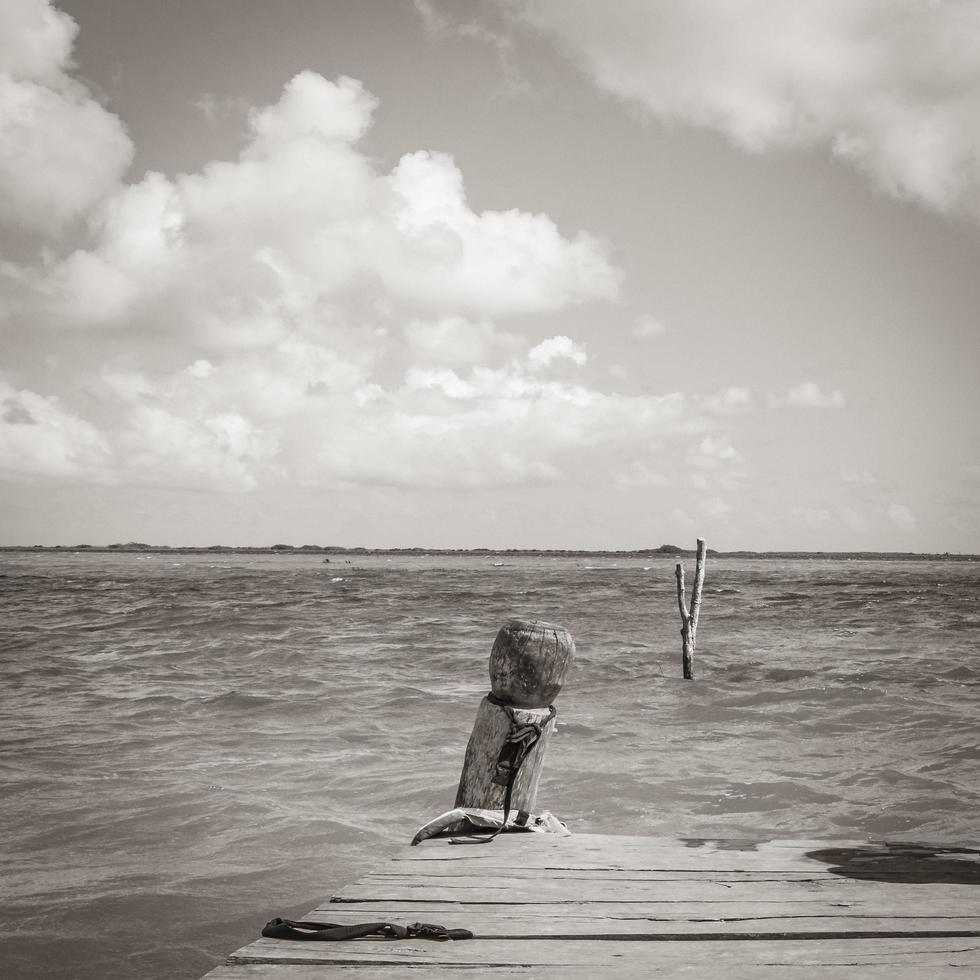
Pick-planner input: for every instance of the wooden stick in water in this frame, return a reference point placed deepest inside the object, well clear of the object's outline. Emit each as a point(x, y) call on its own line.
point(689, 618)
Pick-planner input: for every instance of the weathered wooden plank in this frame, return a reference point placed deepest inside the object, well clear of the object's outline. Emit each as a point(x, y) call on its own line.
point(598, 852)
point(608, 844)
point(489, 922)
point(923, 954)
point(879, 903)
point(515, 891)
point(694, 966)
point(586, 876)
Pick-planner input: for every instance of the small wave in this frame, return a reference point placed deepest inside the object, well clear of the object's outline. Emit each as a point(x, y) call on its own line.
point(573, 728)
point(786, 674)
point(961, 673)
point(238, 699)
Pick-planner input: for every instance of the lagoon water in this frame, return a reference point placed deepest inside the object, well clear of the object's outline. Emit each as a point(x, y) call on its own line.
point(193, 744)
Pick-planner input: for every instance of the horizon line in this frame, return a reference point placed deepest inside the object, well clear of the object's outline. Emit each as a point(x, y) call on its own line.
point(661, 551)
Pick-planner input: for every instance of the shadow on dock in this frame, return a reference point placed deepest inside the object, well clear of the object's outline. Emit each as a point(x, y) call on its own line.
point(903, 863)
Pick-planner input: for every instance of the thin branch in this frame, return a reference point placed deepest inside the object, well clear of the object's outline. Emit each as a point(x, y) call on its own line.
point(696, 591)
point(682, 605)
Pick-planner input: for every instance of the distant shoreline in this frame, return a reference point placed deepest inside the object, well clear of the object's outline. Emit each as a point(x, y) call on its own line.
point(664, 551)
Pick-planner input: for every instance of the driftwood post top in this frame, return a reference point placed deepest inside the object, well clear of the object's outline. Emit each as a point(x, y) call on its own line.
point(529, 662)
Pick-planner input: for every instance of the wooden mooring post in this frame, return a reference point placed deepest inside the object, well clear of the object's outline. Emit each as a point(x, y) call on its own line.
point(689, 618)
point(528, 664)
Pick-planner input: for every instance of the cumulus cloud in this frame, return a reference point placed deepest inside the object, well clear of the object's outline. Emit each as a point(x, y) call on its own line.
point(433, 249)
point(728, 401)
point(297, 314)
point(455, 340)
point(36, 40)
point(713, 451)
point(715, 464)
point(39, 437)
point(556, 348)
point(240, 252)
point(60, 150)
point(491, 427)
point(332, 323)
point(890, 86)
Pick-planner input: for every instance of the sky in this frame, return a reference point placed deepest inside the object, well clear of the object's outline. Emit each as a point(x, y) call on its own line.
point(492, 273)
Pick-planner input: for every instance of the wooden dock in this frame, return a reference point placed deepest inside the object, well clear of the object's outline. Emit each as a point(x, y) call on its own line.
point(595, 906)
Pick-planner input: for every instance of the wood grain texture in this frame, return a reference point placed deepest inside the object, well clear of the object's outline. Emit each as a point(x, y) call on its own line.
point(692, 961)
point(921, 952)
point(619, 907)
point(529, 661)
point(476, 786)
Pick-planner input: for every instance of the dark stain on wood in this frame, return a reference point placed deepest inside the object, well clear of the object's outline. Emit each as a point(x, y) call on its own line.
point(902, 863)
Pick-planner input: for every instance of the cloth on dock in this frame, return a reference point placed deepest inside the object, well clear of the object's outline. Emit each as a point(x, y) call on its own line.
point(464, 819)
point(332, 932)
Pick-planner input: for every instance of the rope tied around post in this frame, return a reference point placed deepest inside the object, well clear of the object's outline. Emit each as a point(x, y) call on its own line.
point(521, 738)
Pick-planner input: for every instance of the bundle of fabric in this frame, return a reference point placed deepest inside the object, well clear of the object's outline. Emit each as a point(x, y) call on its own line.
point(468, 820)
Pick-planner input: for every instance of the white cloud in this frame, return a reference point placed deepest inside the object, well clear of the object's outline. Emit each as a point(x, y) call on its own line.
point(728, 401)
point(439, 379)
point(300, 412)
point(434, 21)
point(433, 250)
point(301, 226)
point(648, 326)
point(808, 395)
point(35, 40)
point(891, 86)
point(455, 340)
point(38, 437)
point(901, 516)
point(296, 315)
point(713, 451)
point(219, 451)
point(557, 348)
point(201, 369)
point(489, 427)
point(60, 151)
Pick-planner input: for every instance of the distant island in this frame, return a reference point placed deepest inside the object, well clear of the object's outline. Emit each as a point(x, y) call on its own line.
point(662, 551)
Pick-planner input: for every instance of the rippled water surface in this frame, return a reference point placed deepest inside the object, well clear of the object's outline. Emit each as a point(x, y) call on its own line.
point(194, 744)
